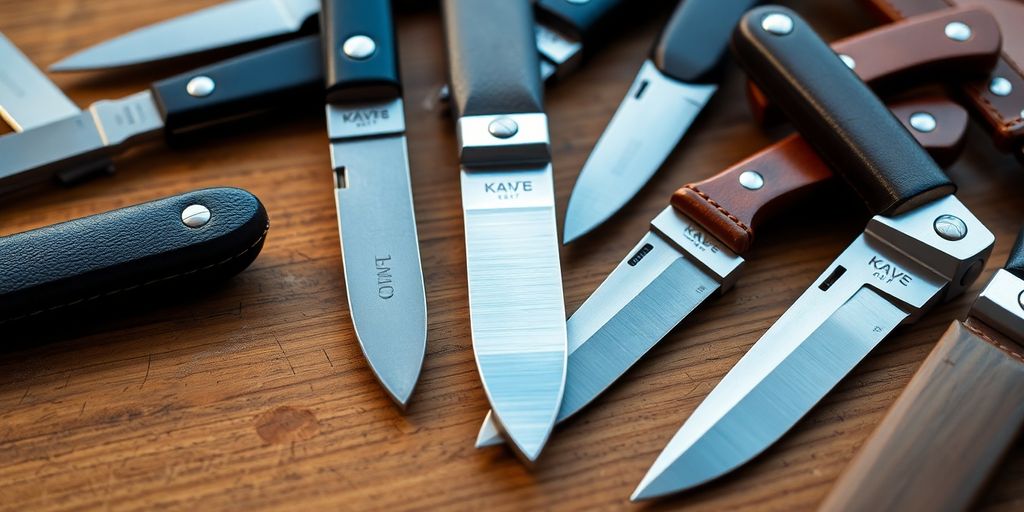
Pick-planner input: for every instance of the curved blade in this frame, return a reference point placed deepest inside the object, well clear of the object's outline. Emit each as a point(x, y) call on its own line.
point(220, 26)
point(645, 129)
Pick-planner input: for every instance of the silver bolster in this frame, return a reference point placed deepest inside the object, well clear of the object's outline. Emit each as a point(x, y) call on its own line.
point(119, 120)
point(557, 48)
point(1001, 304)
point(503, 140)
point(699, 246)
point(349, 121)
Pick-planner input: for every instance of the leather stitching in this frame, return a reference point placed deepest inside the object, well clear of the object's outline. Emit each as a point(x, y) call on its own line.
point(989, 339)
point(721, 209)
point(147, 283)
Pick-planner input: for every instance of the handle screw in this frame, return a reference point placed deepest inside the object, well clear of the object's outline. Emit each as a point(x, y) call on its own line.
point(923, 122)
point(200, 87)
point(950, 227)
point(359, 47)
point(751, 180)
point(503, 128)
point(777, 23)
point(195, 216)
point(958, 31)
point(1000, 86)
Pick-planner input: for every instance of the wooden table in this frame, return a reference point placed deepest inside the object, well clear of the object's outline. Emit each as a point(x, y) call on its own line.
point(256, 395)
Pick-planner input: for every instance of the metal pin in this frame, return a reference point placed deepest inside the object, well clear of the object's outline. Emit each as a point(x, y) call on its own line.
point(923, 122)
point(359, 47)
point(777, 23)
point(195, 216)
point(200, 86)
point(503, 128)
point(751, 180)
point(950, 227)
point(1000, 86)
point(850, 63)
point(958, 31)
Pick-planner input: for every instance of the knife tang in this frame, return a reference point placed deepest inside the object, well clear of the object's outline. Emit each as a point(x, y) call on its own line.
point(360, 50)
point(691, 45)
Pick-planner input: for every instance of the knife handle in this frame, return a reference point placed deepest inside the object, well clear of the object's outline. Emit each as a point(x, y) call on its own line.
point(583, 21)
point(691, 45)
point(837, 113)
point(915, 49)
point(252, 83)
point(790, 170)
point(360, 50)
point(492, 57)
point(133, 251)
point(1015, 263)
point(945, 435)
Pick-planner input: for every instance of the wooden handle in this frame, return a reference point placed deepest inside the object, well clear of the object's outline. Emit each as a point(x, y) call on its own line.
point(790, 170)
point(943, 437)
point(915, 49)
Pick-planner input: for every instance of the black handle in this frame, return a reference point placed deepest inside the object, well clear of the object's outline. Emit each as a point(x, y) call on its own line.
point(360, 50)
point(836, 112)
point(492, 57)
point(693, 42)
point(88, 261)
point(1015, 263)
point(251, 83)
point(583, 21)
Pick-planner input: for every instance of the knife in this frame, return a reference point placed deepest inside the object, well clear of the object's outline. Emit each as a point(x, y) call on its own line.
point(945, 435)
point(921, 247)
point(75, 146)
point(27, 98)
point(694, 251)
point(376, 221)
point(516, 308)
point(672, 87)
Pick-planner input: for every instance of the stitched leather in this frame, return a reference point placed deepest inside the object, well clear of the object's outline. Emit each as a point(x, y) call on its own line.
point(85, 262)
point(492, 57)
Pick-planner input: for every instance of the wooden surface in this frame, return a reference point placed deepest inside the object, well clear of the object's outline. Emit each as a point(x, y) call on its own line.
point(256, 396)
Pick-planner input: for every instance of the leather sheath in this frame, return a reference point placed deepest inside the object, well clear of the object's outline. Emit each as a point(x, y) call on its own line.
point(1000, 112)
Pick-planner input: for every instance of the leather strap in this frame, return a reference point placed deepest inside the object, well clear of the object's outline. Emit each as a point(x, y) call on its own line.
point(1001, 113)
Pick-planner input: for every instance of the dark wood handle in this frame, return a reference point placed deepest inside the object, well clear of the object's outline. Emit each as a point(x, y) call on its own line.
point(913, 50)
point(790, 170)
point(360, 50)
point(941, 440)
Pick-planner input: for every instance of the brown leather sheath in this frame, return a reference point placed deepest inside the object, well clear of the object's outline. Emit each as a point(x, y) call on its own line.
point(941, 440)
point(997, 99)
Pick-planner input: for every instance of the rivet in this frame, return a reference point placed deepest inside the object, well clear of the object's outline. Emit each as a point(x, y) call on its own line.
point(751, 180)
point(958, 31)
point(923, 122)
point(777, 23)
point(1020, 300)
point(503, 128)
point(359, 47)
point(195, 216)
point(1000, 86)
point(850, 63)
point(950, 227)
point(200, 86)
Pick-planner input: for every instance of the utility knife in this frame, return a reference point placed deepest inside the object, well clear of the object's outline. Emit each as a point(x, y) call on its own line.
point(921, 247)
point(376, 221)
point(668, 93)
point(73, 144)
point(516, 307)
point(727, 207)
point(961, 412)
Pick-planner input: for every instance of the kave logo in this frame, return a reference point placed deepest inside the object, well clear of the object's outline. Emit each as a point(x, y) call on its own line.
point(889, 273)
point(366, 117)
point(508, 189)
point(700, 240)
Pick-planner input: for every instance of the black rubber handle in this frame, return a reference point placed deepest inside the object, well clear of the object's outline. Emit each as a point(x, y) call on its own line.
point(1015, 263)
point(368, 70)
point(252, 83)
point(583, 21)
point(85, 262)
point(693, 42)
point(492, 57)
point(837, 113)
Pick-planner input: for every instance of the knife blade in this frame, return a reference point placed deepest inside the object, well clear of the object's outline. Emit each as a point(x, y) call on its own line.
point(27, 98)
point(76, 146)
point(668, 93)
point(922, 247)
point(962, 399)
point(694, 251)
point(373, 193)
point(517, 312)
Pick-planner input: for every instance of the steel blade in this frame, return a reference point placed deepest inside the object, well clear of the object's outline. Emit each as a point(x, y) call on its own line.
point(517, 312)
point(228, 24)
point(645, 129)
point(27, 97)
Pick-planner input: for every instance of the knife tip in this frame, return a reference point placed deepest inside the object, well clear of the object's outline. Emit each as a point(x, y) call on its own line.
point(488, 435)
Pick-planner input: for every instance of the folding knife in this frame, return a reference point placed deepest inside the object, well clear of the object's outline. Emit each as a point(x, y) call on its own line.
point(671, 89)
point(628, 304)
point(922, 247)
point(376, 220)
point(78, 143)
point(516, 307)
point(958, 416)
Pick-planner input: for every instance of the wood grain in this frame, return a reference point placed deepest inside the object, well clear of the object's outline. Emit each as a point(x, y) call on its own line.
point(256, 396)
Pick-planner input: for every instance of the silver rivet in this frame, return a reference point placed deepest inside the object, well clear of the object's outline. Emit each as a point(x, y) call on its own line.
point(958, 31)
point(923, 122)
point(950, 227)
point(1000, 86)
point(195, 216)
point(200, 87)
point(850, 63)
point(777, 23)
point(359, 47)
point(503, 128)
point(751, 180)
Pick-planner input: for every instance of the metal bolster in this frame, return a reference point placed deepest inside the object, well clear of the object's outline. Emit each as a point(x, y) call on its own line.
point(700, 246)
point(1001, 304)
point(558, 49)
point(352, 121)
point(513, 139)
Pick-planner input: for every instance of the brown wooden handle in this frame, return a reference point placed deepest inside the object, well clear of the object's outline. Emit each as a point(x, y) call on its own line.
point(790, 169)
point(914, 49)
point(944, 435)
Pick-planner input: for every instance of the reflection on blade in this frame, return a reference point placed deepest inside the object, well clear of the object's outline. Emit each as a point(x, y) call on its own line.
point(648, 124)
point(763, 397)
point(27, 97)
point(380, 249)
point(633, 309)
point(228, 24)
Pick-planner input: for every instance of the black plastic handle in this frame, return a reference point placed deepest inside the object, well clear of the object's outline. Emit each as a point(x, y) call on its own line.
point(492, 57)
point(360, 50)
point(693, 42)
point(133, 250)
point(1015, 263)
point(583, 21)
point(836, 112)
point(255, 82)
